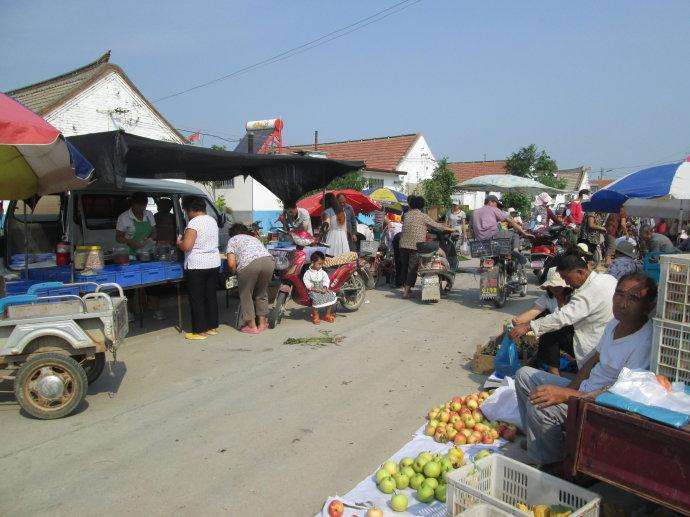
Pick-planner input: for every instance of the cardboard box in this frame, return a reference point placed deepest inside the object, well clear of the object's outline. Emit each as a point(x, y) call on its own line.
point(482, 364)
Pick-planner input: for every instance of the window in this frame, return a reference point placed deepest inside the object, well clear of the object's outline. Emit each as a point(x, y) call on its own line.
point(226, 184)
point(100, 210)
point(374, 183)
point(40, 230)
point(47, 208)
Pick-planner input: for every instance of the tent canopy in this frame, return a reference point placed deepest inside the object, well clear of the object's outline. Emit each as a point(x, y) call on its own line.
point(505, 183)
point(117, 155)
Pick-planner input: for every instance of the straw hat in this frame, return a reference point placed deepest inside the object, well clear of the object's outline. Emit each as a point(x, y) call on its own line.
point(584, 249)
point(553, 279)
point(627, 248)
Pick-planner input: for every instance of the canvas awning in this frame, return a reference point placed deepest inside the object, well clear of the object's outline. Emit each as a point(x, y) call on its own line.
point(117, 155)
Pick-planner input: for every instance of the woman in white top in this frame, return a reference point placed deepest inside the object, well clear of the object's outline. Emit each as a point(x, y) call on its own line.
point(551, 343)
point(136, 227)
point(335, 225)
point(254, 266)
point(201, 264)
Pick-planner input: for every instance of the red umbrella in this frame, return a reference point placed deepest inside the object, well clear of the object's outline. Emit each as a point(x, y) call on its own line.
point(359, 202)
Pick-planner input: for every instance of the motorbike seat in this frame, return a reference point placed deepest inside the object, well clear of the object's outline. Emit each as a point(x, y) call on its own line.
point(341, 259)
point(427, 248)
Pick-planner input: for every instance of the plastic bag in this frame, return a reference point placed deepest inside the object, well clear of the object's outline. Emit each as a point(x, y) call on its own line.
point(465, 249)
point(503, 405)
point(506, 362)
point(642, 386)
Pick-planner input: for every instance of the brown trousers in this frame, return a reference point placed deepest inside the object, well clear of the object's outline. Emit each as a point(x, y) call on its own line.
point(253, 282)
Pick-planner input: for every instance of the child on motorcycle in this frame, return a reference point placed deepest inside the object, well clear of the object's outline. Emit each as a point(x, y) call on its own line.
point(317, 282)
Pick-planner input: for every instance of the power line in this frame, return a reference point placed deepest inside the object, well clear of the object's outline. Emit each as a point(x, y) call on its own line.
point(310, 45)
point(659, 161)
point(229, 140)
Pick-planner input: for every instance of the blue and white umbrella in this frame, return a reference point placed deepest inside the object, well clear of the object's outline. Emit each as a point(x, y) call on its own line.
point(661, 191)
point(505, 183)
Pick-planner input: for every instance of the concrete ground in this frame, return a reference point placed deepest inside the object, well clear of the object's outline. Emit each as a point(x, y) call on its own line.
point(245, 425)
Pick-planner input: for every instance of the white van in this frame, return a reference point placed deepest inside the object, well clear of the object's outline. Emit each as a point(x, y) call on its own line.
point(89, 216)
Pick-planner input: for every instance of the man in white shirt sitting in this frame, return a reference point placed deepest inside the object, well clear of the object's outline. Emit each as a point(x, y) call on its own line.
point(588, 311)
point(626, 342)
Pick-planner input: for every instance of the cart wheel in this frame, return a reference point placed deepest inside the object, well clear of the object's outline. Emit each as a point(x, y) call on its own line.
point(276, 314)
point(50, 385)
point(94, 367)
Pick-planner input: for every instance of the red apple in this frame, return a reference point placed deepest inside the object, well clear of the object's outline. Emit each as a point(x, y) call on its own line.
point(451, 433)
point(445, 416)
point(459, 425)
point(455, 406)
point(478, 415)
point(487, 439)
point(472, 404)
point(336, 508)
point(457, 399)
point(460, 439)
point(509, 434)
point(472, 440)
point(430, 430)
point(466, 432)
point(464, 410)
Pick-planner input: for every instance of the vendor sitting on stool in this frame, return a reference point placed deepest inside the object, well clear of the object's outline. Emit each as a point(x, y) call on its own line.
point(136, 227)
point(551, 343)
point(166, 229)
point(626, 342)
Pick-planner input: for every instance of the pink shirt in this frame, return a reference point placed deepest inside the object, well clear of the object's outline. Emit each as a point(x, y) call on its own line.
point(485, 221)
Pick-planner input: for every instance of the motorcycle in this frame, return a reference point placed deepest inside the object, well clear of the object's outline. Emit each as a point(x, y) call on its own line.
point(435, 272)
point(499, 274)
point(345, 281)
point(549, 243)
point(369, 262)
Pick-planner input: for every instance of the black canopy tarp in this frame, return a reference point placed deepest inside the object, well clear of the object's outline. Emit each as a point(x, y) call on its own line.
point(117, 155)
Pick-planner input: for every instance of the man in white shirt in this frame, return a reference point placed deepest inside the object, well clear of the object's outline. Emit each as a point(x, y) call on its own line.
point(626, 342)
point(298, 218)
point(588, 311)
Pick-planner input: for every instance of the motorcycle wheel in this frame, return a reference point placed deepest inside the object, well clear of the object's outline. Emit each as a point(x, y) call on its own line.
point(367, 277)
point(502, 295)
point(352, 293)
point(276, 314)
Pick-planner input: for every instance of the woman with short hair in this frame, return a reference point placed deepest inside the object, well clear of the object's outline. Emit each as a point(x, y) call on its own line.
point(201, 264)
point(254, 266)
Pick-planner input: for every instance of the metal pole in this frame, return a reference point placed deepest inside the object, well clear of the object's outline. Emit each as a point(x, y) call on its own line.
point(26, 243)
point(316, 140)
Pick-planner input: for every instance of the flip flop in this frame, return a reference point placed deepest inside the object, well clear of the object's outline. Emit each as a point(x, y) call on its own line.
point(249, 330)
point(194, 337)
point(212, 332)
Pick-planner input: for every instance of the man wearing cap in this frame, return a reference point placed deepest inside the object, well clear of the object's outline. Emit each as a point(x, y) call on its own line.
point(625, 258)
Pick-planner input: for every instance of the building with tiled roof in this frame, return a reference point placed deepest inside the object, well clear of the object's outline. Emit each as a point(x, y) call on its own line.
point(397, 161)
point(467, 170)
point(575, 179)
point(598, 184)
point(96, 97)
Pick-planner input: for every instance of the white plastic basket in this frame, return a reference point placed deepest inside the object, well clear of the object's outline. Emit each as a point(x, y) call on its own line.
point(671, 350)
point(484, 510)
point(368, 247)
point(503, 482)
point(673, 302)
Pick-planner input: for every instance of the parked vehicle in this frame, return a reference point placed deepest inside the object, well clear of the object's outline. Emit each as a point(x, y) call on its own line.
point(345, 280)
point(434, 272)
point(549, 242)
point(499, 274)
point(53, 347)
point(369, 264)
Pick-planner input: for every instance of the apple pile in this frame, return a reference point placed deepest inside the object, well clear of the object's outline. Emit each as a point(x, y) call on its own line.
point(461, 421)
point(425, 474)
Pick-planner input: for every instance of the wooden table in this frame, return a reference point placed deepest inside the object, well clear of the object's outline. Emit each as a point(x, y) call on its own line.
point(629, 451)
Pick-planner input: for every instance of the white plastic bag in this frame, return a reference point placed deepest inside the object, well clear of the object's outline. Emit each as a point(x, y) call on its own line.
point(502, 404)
point(642, 386)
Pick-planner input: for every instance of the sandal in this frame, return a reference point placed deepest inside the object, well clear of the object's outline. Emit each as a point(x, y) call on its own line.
point(212, 332)
point(250, 330)
point(315, 318)
point(195, 337)
point(329, 318)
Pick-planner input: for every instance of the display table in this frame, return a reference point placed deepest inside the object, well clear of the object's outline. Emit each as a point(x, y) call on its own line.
point(631, 452)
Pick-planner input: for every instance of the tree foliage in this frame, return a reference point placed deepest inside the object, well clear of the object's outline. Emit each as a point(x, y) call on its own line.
point(530, 162)
point(354, 180)
point(439, 188)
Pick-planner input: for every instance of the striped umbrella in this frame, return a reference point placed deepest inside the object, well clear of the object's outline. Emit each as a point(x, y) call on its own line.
point(35, 159)
point(387, 197)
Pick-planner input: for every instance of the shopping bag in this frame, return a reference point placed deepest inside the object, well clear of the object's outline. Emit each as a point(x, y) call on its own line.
point(506, 362)
point(503, 405)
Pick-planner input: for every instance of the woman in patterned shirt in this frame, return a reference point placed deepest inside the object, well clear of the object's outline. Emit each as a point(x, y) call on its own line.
point(415, 224)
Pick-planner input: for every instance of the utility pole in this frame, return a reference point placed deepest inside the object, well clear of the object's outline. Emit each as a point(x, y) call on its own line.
point(316, 140)
point(601, 173)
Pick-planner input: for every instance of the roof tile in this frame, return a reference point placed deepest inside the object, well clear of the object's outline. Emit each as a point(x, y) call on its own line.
point(468, 170)
point(380, 154)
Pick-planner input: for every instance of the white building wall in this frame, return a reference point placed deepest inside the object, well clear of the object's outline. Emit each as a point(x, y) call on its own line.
point(419, 163)
point(107, 105)
point(392, 181)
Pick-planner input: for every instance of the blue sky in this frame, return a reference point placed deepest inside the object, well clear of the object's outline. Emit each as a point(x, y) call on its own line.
point(605, 84)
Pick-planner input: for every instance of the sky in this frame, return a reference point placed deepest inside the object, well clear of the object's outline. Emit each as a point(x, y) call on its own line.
point(604, 84)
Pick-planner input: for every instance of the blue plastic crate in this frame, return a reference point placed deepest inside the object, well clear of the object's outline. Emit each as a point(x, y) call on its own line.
point(173, 270)
point(152, 272)
point(18, 286)
point(127, 275)
point(56, 274)
point(104, 277)
point(62, 291)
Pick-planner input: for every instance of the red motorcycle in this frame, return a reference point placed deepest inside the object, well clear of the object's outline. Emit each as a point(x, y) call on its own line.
point(346, 282)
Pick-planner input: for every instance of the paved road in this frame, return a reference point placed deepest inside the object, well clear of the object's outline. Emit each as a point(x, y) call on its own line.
point(244, 425)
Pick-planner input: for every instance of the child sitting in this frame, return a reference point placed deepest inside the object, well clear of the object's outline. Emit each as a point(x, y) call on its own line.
point(317, 282)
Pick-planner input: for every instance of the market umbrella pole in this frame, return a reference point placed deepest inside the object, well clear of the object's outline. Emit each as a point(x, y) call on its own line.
point(26, 243)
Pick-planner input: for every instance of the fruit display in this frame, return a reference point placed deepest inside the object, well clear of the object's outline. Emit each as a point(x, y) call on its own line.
point(543, 510)
point(336, 508)
point(425, 474)
point(461, 422)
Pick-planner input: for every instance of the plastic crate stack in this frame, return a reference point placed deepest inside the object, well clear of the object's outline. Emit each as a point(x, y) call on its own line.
point(671, 342)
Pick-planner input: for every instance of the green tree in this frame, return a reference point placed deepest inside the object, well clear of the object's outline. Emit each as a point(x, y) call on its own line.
point(354, 180)
point(440, 187)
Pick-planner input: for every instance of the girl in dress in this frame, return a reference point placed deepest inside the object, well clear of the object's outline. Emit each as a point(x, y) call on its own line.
point(317, 282)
